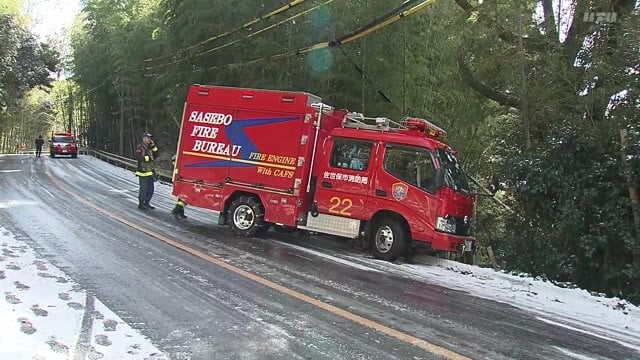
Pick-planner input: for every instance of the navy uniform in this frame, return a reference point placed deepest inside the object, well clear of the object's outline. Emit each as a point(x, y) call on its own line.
point(39, 143)
point(145, 154)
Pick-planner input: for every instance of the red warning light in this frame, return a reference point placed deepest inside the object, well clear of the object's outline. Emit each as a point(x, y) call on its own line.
point(423, 125)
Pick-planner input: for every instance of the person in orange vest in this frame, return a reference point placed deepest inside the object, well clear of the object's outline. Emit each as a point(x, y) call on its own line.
point(178, 210)
point(145, 154)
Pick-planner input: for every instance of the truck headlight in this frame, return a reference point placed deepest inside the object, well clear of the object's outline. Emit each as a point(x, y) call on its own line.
point(446, 225)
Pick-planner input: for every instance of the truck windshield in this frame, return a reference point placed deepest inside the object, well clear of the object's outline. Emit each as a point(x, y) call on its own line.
point(453, 175)
point(63, 139)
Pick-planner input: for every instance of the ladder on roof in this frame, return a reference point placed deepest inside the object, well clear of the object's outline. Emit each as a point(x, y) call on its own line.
point(356, 120)
point(325, 108)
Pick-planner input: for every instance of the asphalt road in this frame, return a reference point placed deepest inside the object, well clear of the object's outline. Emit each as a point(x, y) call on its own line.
point(192, 308)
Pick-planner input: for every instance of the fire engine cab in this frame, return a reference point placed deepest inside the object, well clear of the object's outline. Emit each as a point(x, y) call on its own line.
point(63, 143)
point(261, 157)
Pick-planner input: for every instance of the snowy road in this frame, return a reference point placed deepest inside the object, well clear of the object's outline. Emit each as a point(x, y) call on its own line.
point(167, 301)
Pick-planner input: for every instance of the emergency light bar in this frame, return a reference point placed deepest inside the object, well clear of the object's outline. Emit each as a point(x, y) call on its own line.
point(423, 125)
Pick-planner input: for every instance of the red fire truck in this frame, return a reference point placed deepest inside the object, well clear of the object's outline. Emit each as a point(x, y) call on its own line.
point(63, 143)
point(263, 157)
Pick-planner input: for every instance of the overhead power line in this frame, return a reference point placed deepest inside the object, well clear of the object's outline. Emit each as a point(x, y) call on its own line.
point(279, 10)
point(250, 35)
point(407, 9)
point(384, 21)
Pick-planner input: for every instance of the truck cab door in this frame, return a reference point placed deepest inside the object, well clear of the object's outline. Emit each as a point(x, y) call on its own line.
point(344, 180)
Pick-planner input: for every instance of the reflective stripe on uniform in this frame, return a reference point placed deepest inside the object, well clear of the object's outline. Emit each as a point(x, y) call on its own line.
point(155, 148)
point(181, 203)
point(144, 173)
point(147, 158)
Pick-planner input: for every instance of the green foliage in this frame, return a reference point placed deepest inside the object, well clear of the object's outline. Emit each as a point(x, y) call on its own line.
point(10, 7)
point(574, 211)
point(25, 65)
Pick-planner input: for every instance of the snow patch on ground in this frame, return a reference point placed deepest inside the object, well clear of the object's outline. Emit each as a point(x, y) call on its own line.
point(577, 309)
point(45, 314)
point(572, 354)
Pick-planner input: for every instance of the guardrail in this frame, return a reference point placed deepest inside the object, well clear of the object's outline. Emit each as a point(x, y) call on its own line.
point(26, 151)
point(113, 159)
point(123, 162)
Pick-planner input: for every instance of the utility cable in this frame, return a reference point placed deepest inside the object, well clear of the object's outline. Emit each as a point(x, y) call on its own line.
point(257, 32)
point(272, 13)
point(373, 26)
point(368, 79)
point(407, 8)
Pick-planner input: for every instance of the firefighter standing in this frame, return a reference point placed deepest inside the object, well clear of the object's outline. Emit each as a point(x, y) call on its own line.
point(145, 171)
point(39, 143)
point(178, 210)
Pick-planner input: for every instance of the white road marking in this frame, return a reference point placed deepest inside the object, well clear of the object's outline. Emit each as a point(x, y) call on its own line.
point(625, 344)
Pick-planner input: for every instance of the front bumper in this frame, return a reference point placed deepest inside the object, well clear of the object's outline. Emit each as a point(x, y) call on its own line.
point(449, 242)
point(64, 151)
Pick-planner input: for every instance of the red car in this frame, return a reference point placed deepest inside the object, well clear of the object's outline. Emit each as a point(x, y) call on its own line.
point(63, 144)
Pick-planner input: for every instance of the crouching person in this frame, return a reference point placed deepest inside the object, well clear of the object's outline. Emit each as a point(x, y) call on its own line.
point(178, 210)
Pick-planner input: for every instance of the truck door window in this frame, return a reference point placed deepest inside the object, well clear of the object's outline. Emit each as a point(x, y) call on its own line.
point(413, 165)
point(350, 154)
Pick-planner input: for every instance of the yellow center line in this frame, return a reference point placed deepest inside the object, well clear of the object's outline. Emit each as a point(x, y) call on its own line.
point(260, 163)
point(423, 344)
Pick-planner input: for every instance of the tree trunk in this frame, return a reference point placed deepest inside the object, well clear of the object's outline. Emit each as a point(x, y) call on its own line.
point(634, 196)
point(70, 114)
point(121, 126)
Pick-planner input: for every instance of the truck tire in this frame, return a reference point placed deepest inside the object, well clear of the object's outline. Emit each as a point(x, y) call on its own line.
point(389, 239)
point(246, 217)
point(52, 155)
point(73, 156)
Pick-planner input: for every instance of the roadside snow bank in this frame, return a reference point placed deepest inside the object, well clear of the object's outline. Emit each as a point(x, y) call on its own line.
point(46, 315)
point(577, 309)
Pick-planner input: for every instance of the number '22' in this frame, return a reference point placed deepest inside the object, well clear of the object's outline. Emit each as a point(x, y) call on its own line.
point(340, 206)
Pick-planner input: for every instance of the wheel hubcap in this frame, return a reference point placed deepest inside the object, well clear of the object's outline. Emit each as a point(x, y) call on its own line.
point(384, 239)
point(243, 217)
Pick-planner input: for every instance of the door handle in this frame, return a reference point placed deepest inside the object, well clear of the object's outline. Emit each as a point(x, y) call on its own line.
point(381, 192)
point(326, 184)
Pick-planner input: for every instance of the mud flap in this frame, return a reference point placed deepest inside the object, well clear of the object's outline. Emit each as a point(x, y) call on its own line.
point(222, 218)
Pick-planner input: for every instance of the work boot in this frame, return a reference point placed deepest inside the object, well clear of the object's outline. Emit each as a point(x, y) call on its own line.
point(178, 213)
point(143, 207)
point(149, 206)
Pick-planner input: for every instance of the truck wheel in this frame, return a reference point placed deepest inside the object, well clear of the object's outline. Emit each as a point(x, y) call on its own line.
point(246, 217)
point(389, 239)
point(52, 155)
point(73, 156)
